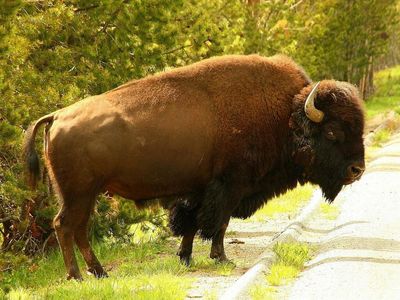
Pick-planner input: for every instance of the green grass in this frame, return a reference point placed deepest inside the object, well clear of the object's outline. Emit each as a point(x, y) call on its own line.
point(290, 260)
point(282, 274)
point(288, 203)
point(263, 292)
point(206, 264)
point(288, 263)
point(379, 139)
point(387, 94)
point(158, 286)
point(134, 266)
point(386, 98)
point(329, 211)
point(377, 105)
point(146, 271)
point(382, 137)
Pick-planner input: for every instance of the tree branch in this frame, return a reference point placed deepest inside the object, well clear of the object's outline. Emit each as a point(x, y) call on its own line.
point(86, 8)
point(177, 49)
point(3, 220)
point(294, 5)
point(114, 15)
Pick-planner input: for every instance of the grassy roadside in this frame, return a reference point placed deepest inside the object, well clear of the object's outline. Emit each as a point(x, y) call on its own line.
point(289, 261)
point(129, 265)
point(145, 271)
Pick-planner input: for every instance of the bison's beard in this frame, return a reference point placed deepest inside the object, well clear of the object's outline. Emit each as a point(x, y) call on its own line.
point(329, 179)
point(331, 191)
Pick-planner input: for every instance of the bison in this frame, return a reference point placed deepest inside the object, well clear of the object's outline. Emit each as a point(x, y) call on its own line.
point(215, 139)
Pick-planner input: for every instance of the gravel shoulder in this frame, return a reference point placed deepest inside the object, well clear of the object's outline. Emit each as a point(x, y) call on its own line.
point(244, 243)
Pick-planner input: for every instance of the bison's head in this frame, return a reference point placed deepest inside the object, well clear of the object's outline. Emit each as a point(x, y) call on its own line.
point(327, 125)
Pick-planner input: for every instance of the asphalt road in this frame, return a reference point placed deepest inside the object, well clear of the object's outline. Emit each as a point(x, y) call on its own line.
point(359, 258)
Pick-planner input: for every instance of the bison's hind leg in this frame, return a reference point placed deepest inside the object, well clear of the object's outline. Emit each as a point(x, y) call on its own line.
point(82, 240)
point(70, 225)
point(64, 225)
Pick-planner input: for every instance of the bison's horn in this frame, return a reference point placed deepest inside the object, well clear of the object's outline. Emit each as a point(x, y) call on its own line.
point(311, 111)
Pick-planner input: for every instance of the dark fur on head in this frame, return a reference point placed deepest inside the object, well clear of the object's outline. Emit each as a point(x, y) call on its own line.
point(326, 149)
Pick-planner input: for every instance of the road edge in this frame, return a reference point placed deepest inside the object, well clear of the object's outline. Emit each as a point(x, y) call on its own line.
point(291, 233)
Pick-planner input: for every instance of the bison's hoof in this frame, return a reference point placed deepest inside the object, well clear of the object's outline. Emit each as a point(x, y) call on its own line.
point(228, 262)
point(185, 260)
point(221, 258)
point(76, 277)
point(98, 272)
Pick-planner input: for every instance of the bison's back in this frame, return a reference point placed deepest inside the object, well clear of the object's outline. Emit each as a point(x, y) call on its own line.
point(249, 98)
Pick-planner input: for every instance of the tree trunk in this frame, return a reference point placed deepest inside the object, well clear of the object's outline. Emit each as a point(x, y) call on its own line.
point(253, 2)
point(367, 80)
point(370, 84)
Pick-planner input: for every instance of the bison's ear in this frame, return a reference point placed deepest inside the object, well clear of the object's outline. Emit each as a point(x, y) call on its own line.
point(304, 156)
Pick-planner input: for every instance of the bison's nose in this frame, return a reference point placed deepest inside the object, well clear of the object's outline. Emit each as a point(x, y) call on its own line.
point(355, 170)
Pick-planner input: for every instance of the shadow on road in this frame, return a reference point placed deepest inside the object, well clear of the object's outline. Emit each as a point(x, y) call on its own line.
point(353, 259)
point(325, 231)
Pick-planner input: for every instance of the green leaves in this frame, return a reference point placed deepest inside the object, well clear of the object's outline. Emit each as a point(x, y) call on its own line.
point(345, 37)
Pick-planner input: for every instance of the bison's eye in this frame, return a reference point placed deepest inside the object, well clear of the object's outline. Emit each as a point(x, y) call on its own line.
point(333, 132)
point(330, 136)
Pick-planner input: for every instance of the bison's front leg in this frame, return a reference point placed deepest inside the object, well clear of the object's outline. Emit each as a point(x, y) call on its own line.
point(217, 246)
point(182, 221)
point(185, 250)
point(221, 198)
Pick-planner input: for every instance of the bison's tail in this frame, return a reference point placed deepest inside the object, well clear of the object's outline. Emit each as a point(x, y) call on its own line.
point(30, 155)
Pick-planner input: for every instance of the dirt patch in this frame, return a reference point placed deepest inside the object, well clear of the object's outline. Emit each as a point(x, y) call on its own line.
point(385, 121)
